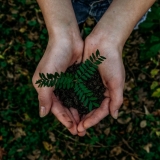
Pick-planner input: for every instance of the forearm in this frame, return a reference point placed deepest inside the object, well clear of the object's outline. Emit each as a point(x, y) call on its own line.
point(121, 17)
point(58, 15)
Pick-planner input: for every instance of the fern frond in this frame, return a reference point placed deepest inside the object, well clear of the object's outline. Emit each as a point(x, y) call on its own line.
point(68, 80)
point(85, 95)
point(65, 81)
point(89, 67)
point(47, 81)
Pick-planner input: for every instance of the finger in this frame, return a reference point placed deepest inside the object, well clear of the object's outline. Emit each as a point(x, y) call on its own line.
point(81, 125)
point(81, 134)
point(83, 131)
point(73, 129)
point(97, 115)
point(75, 114)
point(64, 116)
point(116, 96)
point(45, 101)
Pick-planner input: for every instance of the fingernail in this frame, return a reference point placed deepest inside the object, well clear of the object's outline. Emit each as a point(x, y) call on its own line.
point(42, 112)
point(115, 116)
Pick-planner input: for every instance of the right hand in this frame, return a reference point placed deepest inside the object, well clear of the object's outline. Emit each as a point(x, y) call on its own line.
point(113, 77)
point(62, 51)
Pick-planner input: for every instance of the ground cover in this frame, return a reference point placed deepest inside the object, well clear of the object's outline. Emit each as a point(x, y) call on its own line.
point(135, 135)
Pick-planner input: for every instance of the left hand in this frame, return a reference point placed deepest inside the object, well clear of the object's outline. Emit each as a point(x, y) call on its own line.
point(113, 76)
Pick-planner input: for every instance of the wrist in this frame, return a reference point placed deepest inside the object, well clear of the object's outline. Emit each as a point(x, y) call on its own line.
point(107, 42)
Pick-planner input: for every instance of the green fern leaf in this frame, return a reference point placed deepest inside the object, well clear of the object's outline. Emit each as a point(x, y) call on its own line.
point(91, 72)
point(56, 75)
point(93, 69)
point(92, 64)
point(97, 62)
point(38, 81)
point(97, 53)
point(93, 56)
point(43, 76)
point(89, 94)
point(72, 85)
point(83, 98)
point(81, 68)
point(79, 73)
point(68, 86)
point(103, 57)
point(76, 76)
point(54, 82)
point(90, 106)
point(76, 87)
point(40, 75)
point(95, 104)
point(84, 66)
point(43, 83)
point(87, 75)
point(49, 76)
point(93, 98)
point(100, 59)
point(86, 102)
point(83, 77)
point(80, 96)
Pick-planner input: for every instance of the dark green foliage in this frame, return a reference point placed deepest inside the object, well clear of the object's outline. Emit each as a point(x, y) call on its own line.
point(19, 104)
point(66, 80)
point(151, 46)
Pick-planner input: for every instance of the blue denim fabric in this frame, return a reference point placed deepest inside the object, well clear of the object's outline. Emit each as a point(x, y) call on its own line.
point(95, 9)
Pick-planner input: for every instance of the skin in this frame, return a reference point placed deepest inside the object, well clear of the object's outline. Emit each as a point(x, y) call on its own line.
point(65, 47)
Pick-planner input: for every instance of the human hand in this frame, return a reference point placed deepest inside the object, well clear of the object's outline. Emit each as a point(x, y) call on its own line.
point(63, 50)
point(113, 77)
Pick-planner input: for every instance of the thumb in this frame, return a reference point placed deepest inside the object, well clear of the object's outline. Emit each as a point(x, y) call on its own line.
point(116, 101)
point(45, 101)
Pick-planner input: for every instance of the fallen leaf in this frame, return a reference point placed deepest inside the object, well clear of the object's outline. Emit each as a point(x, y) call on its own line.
point(154, 85)
point(124, 158)
point(124, 121)
point(154, 72)
point(52, 137)
point(147, 147)
point(18, 124)
point(36, 153)
point(129, 127)
point(143, 124)
point(156, 93)
point(47, 146)
point(26, 117)
point(31, 157)
point(22, 30)
point(18, 132)
point(132, 158)
point(158, 133)
point(141, 94)
point(107, 131)
point(146, 110)
point(115, 151)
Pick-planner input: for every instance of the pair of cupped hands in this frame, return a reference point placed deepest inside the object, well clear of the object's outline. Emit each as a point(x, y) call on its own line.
point(65, 48)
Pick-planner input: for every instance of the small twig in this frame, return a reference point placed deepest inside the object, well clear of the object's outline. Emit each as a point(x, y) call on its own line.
point(131, 154)
point(82, 144)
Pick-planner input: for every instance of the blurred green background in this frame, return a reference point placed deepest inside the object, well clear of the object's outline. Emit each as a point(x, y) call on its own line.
point(23, 135)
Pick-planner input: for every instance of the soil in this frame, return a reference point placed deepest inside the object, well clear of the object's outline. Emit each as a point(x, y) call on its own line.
point(69, 98)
